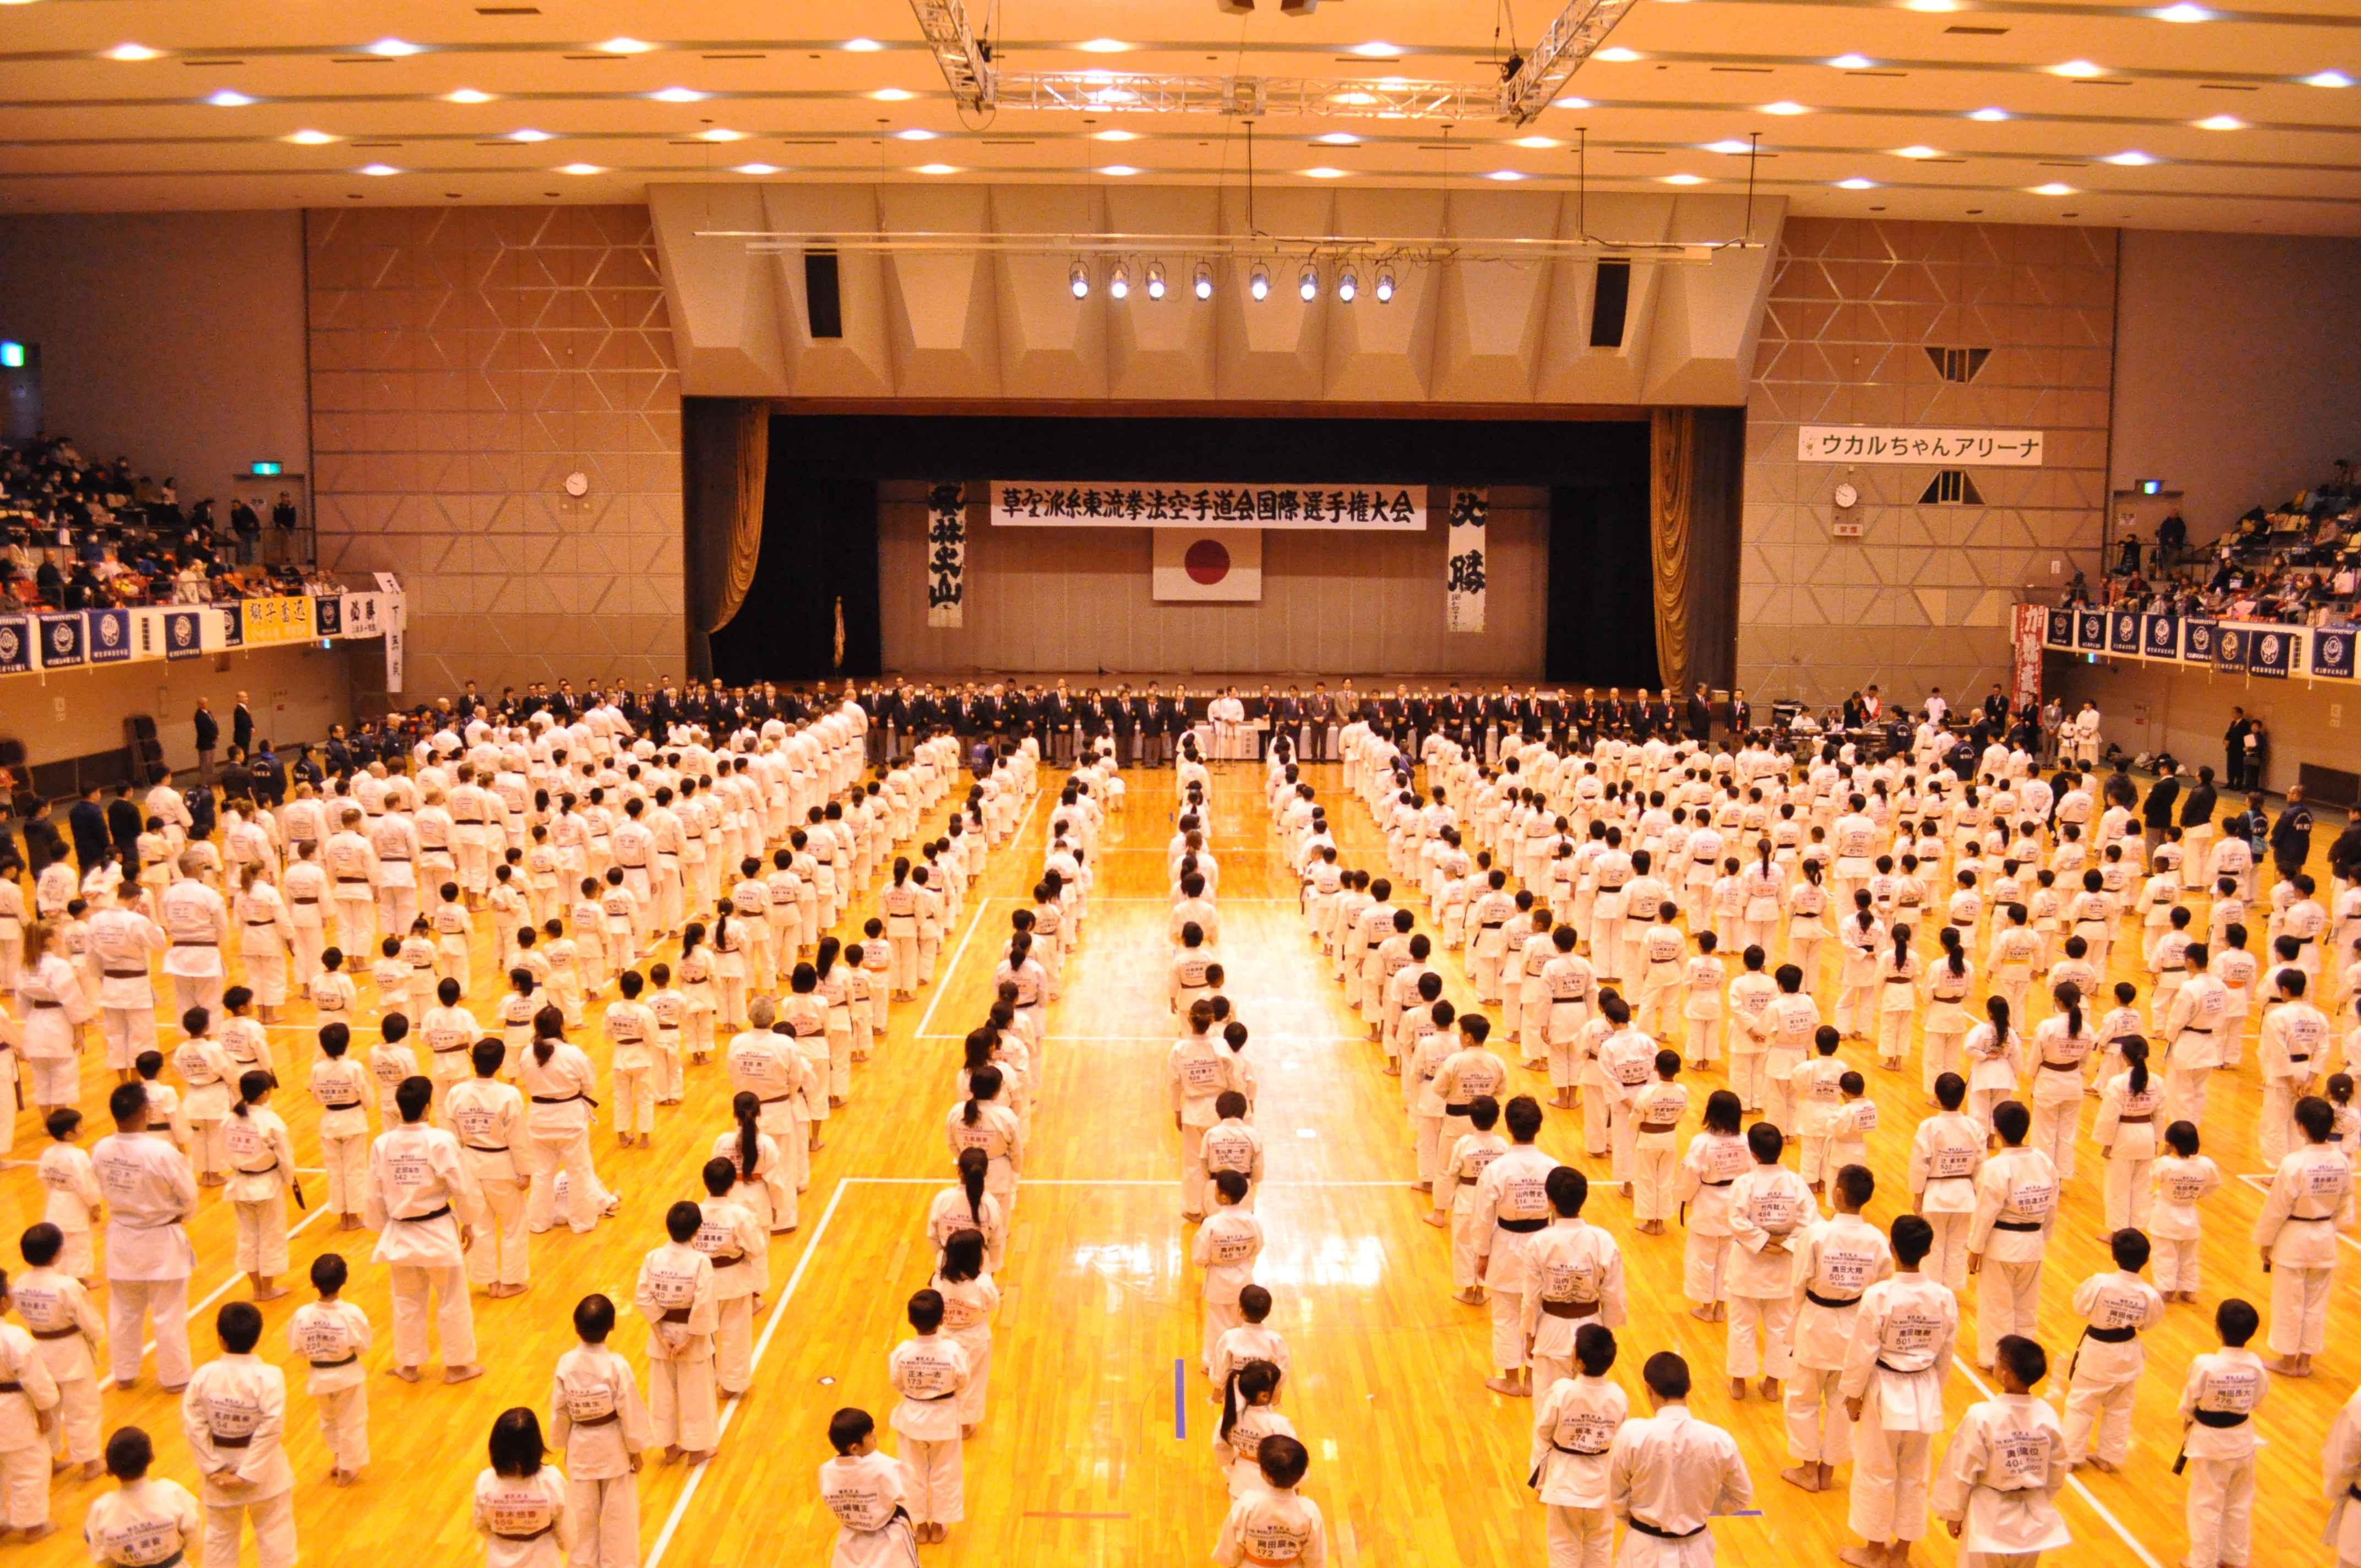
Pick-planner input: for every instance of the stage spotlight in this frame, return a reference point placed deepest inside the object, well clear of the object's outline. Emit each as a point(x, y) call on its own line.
point(1155, 279)
point(1258, 281)
point(1385, 286)
point(1078, 277)
point(1307, 282)
point(1203, 281)
point(1119, 281)
point(1348, 283)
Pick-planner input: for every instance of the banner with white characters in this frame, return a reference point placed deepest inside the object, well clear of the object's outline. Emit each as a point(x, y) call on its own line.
point(1463, 561)
point(1076, 503)
point(16, 644)
point(62, 645)
point(109, 635)
point(2332, 652)
point(184, 635)
point(947, 554)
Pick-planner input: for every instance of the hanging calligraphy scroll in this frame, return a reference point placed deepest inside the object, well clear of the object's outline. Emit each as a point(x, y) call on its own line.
point(946, 555)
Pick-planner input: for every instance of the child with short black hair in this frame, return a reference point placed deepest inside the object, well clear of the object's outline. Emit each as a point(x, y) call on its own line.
point(930, 1371)
point(864, 1489)
point(332, 1334)
point(597, 1422)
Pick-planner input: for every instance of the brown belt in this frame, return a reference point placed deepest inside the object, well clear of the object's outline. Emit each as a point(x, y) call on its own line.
point(1570, 1309)
point(609, 1418)
point(54, 1333)
point(244, 1439)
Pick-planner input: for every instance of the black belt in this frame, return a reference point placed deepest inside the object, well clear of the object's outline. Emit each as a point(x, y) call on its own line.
point(532, 1535)
point(1885, 1365)
point(54, 1333)
point(174, 1560)
point(488, 1148)
point(136, 973)
point(2219, 1419)
point(422, 1219)
point(242, 1440)
point(2112, 1337)
point(1458, 1110)
point(328, 1366)
point(2016, 1225)
point(1520, 1227)
point(340, 1104)
point(559, 1099)
point(1834, 1303)
point(1660, 1532)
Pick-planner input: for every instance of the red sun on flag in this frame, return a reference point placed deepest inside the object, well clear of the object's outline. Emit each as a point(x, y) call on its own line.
point(1207, 561)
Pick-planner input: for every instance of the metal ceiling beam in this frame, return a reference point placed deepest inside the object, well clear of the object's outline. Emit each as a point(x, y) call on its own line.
point(1251, 97)
point(1570, 38)
point(965, 60)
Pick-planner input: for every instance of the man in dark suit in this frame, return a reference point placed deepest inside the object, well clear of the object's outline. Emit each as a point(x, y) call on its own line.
point(241, 725)
point(2234, 750)
point(1742, 712)
point(43, 844)
point(208, 730)
point(1700, 715)
point(87, 822)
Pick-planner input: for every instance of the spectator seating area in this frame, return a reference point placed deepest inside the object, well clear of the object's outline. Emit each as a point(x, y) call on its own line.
point(75, 534)
point(2298, 563)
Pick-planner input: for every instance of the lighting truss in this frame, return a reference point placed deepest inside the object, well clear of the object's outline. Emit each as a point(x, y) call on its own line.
point(966, 60)
point(1565, 44)
point(1251, 97)
point(1371, 252)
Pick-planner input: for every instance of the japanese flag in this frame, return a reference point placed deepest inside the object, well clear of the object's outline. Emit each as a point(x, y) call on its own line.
point(1208, 564)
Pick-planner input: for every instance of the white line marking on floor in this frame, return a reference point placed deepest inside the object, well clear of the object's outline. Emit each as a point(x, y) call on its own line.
point(220, 1290)
point(761, 1346)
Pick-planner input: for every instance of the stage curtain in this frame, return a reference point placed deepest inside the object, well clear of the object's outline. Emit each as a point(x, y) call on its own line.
point(1672, 483)
point(725, 458)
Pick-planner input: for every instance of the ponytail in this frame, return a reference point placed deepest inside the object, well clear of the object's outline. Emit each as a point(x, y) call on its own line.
point(2068, 997)
point(1952, 950)
point(1248, 1382)
point(972, 1166)
point(543, 1047)
point(2135, 1051)
point(1901, 947)
point(982, 1084)
point(747, 1107)
point(1996, 1009)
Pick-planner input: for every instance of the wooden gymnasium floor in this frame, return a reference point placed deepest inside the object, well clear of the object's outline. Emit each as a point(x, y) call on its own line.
point(1085, 1457)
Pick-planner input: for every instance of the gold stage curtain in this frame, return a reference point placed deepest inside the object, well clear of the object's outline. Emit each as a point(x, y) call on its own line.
point(754, 465)
point(1672, 484)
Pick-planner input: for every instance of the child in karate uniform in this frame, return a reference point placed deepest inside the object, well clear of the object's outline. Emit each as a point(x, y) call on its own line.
point(1997, 1492)
point(864, 1488)
point(929, 1372)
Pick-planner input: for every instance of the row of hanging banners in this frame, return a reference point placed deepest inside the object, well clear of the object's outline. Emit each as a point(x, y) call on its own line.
point(70, 640)
point(2229, 647)
point(1208, 544)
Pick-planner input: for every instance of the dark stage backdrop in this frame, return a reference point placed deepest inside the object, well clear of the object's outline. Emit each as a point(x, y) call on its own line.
point(819, 539)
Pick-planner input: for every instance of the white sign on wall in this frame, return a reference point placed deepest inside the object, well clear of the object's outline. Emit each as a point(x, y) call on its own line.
point(1910, 443)
point(1079, 504)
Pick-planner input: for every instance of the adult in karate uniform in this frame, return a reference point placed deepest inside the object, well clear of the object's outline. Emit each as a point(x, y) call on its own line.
point(1895, 1365)
point(1669, 1474)
point(151, 1192)
point(425, 1212)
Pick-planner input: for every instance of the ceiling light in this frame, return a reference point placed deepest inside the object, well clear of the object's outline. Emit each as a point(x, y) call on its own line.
point(1915, 152)
point(395, 49)
point(1538, 143)
point(1348, 283)
point(379, 170)
point(1504, 174)
point(2328, 79)
point(1102, 46)
point(1856, 183)
point(624, 45)
point(1684, 179)
point(862, 46)
point(913, 134)
point(1852, 63)
point(1385, 286)
point(2053, 189)
point(1307, 283)
point(1116, 135)
point(718, 134)
point(2134, 160)
point(758, 168)
point(1324, 173)
point(1155, 279)
point(1119, 281)
point(1078, 279)
point(1989, 116)
point(310, 139)
point(1258, 282)
point(1730, 144)
point(466, 95)
point(1201, 280)
point(1119, 170)
point(2184, 13)
point(132, 52)
point(229, 98)
point(1785, 106)
point(1377, 48)
point(529, 136)
point(892, 94)
point(579, 168)
point(2222, 122)
point(937, 168)
point(1617, 55)
point(1340, 138)
point(1352, 100)
point(1931, 5)
point(678, 95)
point(2079, 69)
point(1572, 103)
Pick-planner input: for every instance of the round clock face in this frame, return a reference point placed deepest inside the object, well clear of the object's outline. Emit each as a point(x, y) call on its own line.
point(578, 483)
point(1847, 495)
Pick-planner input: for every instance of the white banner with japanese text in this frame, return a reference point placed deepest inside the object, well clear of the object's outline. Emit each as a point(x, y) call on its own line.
point(1065, 503)
point(947, 554)
point(1463, 561)
point(1909, 443)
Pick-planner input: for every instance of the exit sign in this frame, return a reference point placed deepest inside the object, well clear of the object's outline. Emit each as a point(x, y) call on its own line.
point(267, 470)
